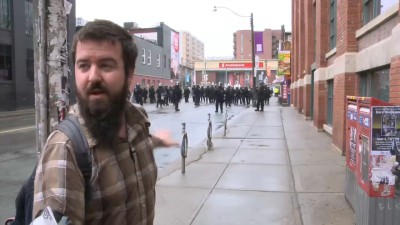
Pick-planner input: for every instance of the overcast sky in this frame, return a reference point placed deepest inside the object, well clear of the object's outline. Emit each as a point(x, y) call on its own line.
point(214, 29)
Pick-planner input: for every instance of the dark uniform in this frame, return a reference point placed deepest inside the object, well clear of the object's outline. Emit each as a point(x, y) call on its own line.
point(176, 97)
point(261, 95)
point(219, 98)
point(186, 93)
point(152, 94)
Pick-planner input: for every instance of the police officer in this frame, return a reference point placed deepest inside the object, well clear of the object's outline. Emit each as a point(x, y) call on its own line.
point(261, 95)
point(219, 98)
point(176, 96)
point(186, 93)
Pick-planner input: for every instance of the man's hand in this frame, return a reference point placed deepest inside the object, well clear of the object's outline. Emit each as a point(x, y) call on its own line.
point(164, 139)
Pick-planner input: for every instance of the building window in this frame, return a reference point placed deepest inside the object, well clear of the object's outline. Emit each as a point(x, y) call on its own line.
point(373, 8)
point(5, 63)
point(332, 24)
point(149, 57)
point(158, 60)
point(315, 33)
point(165, 61)
point(5, 14)
point(375, 84)
point(143, 56)
point(29, 17)
point(30, 62)
point(329, 102)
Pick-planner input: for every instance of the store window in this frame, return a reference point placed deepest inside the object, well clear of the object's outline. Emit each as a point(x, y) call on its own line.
point(158, 60)
point(30, 62)
point(373, 8)
point(329, 102)
point(332, 24)
point(375, 84)
point(29, 17)
point(5, 14)
point(143, 56)
point(149, 57)
point(5, 63)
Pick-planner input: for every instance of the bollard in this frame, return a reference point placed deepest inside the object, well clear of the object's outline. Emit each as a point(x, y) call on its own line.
point(184, 146)
point(225, 122)
point(209, 133)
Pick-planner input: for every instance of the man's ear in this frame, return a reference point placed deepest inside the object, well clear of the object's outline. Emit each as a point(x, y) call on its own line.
point(130, 78)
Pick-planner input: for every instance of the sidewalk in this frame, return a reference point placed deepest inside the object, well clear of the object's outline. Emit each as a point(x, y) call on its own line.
point(272, 168)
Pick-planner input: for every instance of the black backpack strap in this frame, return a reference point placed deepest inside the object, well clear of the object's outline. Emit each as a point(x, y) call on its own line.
point(71, 127)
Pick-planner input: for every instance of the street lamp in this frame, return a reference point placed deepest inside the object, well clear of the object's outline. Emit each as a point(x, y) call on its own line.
point(253, 56)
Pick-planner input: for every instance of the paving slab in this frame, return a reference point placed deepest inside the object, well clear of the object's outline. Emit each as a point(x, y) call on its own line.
point(231, 207)
point(260, 156)
point(256, 177)
point(308, 143)
point(325, 208)
point(266, 132)
point(178, 206)
point(236, 131)
point(226, 143)
point(316, 157)
point(319, 178)
point(267, 144)
point(198, 175)
point(223, 155)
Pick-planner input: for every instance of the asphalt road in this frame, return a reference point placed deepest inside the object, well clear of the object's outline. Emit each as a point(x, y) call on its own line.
point(18, 143)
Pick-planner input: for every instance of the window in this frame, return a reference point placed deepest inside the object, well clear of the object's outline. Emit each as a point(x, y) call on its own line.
point(143, 56)
point(165, 61)
point(332, 24)
point(29, 17)
point(373, 8)
point(315, 32)
point(149, 57)
point(5, 63)
point(329, 112)
point(30, 62)
point(375, 84)
point(5, 14)
point(158, 60)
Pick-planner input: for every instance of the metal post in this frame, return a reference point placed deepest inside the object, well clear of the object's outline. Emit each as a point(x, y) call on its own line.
point(253, 61)
point(226, 76)
point(51, 65)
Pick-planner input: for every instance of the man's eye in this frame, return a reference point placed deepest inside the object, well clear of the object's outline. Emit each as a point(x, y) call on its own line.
point(107, 67)
point(83, 66)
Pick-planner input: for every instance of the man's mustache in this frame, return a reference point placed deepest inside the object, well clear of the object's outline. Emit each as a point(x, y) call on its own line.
point(96, 88)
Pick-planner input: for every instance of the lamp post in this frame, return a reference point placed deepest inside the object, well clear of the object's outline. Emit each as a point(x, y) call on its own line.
point(253, 56)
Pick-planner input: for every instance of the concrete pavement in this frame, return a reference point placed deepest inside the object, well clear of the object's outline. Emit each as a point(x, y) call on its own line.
point(272, 168)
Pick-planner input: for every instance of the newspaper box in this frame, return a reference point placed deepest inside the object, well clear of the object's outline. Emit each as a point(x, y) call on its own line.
point(351, 149)
point(374, 158)
point(378, 134)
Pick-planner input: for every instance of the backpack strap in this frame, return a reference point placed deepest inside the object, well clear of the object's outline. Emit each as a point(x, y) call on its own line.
point(71, 127)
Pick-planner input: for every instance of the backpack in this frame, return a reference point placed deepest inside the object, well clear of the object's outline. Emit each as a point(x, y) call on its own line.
point(24, 201)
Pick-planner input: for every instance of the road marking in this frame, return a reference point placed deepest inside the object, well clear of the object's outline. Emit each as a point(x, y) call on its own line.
point(16, 130)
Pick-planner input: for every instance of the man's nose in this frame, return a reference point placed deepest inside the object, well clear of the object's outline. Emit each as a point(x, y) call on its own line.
point(94, 74)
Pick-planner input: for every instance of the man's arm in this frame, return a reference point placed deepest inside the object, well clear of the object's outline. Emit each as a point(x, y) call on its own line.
point(59, 183)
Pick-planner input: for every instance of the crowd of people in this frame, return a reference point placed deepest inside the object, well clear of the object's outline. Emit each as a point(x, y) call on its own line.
point(217, 94)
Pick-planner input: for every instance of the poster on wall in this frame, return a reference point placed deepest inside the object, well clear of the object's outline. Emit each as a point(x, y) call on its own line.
point(385, 130)
point(174, 55)
point(284, 63)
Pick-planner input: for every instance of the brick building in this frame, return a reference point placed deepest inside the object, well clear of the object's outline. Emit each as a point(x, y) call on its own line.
point(342, 48)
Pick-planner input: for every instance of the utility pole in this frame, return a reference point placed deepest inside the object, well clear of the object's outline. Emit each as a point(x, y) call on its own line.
point(51, 65)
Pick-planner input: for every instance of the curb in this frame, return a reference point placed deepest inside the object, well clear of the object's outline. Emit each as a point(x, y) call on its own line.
point(17, 113)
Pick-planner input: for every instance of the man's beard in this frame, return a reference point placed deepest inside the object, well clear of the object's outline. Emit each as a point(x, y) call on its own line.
point(103, 117)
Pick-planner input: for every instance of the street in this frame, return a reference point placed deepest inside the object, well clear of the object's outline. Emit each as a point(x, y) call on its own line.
point(18, 142)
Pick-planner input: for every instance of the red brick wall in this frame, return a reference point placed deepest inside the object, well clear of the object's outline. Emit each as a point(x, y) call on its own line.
point(344, 84)
point(320, 97)
point(382, 32)
point(300, 99)
point(322, 32)
point(394, 94)
point(307, 100)
point(348, 21)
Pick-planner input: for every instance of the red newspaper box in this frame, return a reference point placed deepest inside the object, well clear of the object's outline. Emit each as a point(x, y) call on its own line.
point(376, 133)
point(351, 132)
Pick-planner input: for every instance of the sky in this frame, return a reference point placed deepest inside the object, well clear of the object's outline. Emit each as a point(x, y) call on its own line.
point(214, 29)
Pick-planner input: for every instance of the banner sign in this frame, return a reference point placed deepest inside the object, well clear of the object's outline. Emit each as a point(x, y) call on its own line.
point(174, 55)
point(240, 65)
point(258, 39)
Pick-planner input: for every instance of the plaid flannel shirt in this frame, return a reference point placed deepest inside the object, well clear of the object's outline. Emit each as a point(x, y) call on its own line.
point(122, 182)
